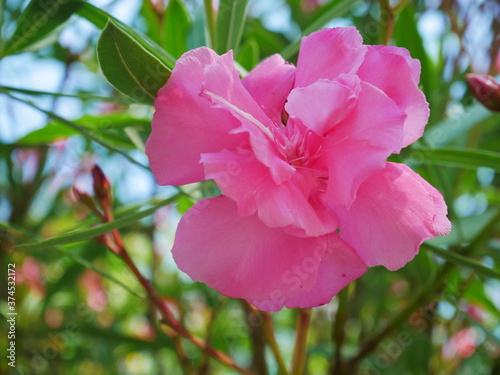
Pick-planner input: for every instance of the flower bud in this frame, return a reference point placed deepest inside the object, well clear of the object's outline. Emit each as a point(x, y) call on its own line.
point(102, 187)
point(485, 89)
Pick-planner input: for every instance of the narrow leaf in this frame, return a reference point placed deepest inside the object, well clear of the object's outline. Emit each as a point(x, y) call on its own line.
point(230, 23)
point(463, 261)
point(464, 158)
point(341, 8)
point(176, 24)
point(85, 234)
point(84, 132)
point(248, 56)
point(129, 67)
point(84, 262)
point(111, 128)
point(450, 129)
point(37, 21)
point(100, 19)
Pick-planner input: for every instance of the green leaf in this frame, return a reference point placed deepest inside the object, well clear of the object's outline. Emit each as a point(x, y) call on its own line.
point(462, 261)
point(112, 128)
point(100, 19)
point(268, 41)
point(341, 8)
point(85, 234)
point(77, 258)
point(422, 268)
point(84, 132)
point(248, 56)
point(176, 25)
point(466, 229)
point(406, 35)
point(128, 66)
point(37, 21)
point(230, 24)
point(448, 130)
point(464, 158)
point(81, 96)
point(151, 21)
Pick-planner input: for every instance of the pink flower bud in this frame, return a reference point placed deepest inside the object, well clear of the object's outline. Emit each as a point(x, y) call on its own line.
point(102, 187)
point(485, 89)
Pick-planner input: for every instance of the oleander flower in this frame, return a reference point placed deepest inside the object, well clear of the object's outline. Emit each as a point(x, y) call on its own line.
point(308, 200)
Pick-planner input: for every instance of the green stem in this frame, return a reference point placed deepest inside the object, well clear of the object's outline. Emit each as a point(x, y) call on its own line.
point(81, 96)
point(387, 19)
point(273, 344)
point(300, 350)
point(210, 17)
point(338, 332)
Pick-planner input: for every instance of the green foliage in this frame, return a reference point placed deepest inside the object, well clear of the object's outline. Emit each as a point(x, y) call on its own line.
point(129, 67)
point(36, 23)
point(176, 25)
point(230, 23)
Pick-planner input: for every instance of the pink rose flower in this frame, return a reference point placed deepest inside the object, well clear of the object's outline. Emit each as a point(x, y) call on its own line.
point(308, 199)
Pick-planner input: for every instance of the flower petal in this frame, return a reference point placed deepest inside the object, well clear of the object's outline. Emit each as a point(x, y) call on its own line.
point(293, 205)
point(394, 212)
point(242, 257)
point(340, 267)
point(361, 143)
point(322, 105)
point(328, 53)
point(186, 125)
point(269, 83)
point(224, 90)
point(392, 70)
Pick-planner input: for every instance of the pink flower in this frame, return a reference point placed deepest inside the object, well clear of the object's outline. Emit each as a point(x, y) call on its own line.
point(462, 344)
point(308, 199)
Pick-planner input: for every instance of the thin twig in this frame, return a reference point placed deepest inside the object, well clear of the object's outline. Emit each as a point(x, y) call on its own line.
point(338, 332)
point(119, 249)
point(273, 344)
point(300, 350)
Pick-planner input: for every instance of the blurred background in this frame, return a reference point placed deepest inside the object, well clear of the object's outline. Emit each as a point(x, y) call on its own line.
point(78, 312)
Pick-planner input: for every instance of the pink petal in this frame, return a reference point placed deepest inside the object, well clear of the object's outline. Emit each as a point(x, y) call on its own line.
point(243, 258)
point(322, 105)
point(269, 83)
point(393, 71)
point(292, 205)
point(224, 90)
point(185, 125)
point(394, 212)
point(361, 143)
point(328, 53)
point(340, 267)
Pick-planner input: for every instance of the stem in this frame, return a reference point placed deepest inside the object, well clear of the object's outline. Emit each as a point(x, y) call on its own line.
point(81, 96)
point(387, 19)
point(256, 334)
point(338, 331)
point(273, 344)
point(210, 17)
point(119, 249)
point(300, 350)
